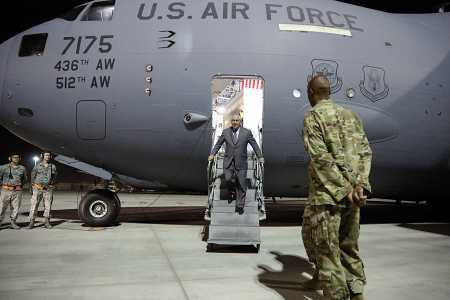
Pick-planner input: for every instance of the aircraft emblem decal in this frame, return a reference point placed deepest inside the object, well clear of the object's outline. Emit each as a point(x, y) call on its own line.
point(374, 85)
point(328, 68)
point(166, 40)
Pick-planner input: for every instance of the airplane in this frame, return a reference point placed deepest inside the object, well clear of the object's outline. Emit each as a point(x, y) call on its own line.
point(124, 90)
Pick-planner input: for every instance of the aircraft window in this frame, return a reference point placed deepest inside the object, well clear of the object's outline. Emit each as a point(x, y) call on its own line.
point(72, 14)
point(33, 44)
point(100, 11)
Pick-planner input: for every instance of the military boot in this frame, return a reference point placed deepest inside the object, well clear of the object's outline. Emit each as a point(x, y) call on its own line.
point(14, 225)
point(357, 297)
point(31, 225)
point(312, 284)
point(47, 223)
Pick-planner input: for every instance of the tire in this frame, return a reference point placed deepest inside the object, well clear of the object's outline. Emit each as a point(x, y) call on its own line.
point(99, 208)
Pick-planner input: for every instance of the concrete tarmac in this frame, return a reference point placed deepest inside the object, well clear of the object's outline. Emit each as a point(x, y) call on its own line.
point(156, 251)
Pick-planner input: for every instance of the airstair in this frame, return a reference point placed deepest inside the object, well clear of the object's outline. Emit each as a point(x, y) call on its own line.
point(227, 227)
point(231, 95)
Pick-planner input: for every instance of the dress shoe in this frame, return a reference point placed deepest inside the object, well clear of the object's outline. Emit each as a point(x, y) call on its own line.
point(240, 210)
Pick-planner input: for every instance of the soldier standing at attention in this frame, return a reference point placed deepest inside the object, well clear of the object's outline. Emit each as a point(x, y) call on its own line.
point(12, 177)
point(340, 160)
point(42, 180)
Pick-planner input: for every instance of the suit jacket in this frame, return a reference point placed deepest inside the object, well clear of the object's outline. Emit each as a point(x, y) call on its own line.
point(237, 151)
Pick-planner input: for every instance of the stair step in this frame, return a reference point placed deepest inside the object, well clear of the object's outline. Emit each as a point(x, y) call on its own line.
point(227, 219)
point(227, 226)
point(232, 205)
point(234, 235)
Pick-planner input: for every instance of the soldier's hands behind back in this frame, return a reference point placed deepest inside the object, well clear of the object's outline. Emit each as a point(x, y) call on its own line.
point(350, 197)
point(358, 196)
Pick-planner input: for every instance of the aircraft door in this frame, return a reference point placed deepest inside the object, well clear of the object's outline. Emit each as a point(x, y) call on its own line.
point(242, 95)
point(91, 120)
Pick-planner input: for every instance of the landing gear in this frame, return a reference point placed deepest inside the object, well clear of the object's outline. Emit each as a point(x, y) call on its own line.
point(99, 208)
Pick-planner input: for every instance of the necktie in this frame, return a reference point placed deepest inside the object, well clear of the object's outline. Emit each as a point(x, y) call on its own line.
point(235, 137)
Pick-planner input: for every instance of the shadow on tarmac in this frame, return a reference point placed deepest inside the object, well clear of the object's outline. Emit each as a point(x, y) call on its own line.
point(287, 282)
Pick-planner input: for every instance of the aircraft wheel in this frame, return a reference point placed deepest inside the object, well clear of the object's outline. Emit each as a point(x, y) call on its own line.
point(99, 208)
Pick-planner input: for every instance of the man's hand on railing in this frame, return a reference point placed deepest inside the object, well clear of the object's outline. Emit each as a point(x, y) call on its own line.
point(261, 160)
point(211, 158)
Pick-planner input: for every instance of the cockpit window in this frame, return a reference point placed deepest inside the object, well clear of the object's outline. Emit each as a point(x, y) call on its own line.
point(100, 11)
point(72, 14)
point(33, 44)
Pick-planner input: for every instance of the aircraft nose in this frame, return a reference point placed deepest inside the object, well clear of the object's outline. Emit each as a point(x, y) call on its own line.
point(4, 51)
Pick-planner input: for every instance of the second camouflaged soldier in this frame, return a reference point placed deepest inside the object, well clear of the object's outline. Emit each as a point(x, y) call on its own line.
point(338, 180)
point(42, 179)
point(12, 177)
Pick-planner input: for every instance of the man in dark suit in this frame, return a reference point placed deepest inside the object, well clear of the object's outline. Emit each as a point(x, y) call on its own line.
point(235, 164)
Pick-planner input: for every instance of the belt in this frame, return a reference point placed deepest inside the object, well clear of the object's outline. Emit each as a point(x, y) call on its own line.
point(12, 187)
point(41, 187)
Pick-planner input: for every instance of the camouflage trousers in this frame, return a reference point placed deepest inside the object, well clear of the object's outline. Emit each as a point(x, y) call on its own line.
point(7, 198)
point(330, 235)
point(38, 195)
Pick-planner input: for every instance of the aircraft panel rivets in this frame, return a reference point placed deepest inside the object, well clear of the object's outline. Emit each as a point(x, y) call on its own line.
point(149, 68)
point(148, 91)
point(296, 93)
point(350, 93)
point(148, 79)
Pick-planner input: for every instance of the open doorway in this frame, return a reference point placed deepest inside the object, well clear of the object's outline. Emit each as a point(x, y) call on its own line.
point(242, 95)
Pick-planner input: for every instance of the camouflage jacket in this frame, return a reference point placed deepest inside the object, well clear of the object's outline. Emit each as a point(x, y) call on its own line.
point(10, 175)
point(339, 151)
point(44, 175)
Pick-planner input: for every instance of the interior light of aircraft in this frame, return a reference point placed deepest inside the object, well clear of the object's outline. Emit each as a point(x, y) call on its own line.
point(221, 110)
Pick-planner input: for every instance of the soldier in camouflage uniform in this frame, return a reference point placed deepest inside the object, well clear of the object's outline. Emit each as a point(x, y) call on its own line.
point(12, 178)
point(42, 180)
point(338, 181)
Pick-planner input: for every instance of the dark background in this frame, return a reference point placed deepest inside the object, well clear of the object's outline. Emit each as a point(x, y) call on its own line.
point(19, 15)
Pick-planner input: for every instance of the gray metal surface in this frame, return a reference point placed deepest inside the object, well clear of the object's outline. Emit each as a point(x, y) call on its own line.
point(397, 67)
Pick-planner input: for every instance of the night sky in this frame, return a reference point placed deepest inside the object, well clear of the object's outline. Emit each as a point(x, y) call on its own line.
point(20, 15)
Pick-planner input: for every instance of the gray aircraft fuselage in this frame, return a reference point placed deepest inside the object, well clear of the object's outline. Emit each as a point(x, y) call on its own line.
point(114, 94)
